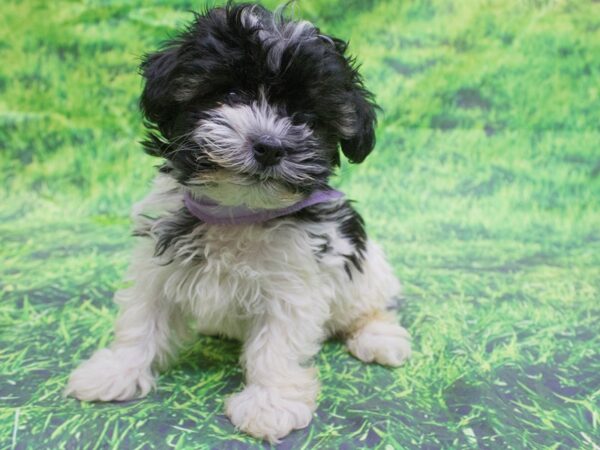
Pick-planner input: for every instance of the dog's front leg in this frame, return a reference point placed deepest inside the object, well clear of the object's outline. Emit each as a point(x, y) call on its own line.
point(147, 330)
point(280, 393)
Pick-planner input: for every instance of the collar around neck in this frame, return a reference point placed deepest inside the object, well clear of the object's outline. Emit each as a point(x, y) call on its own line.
point(213, 213)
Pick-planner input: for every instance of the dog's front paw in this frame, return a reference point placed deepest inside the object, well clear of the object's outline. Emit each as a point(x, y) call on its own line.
point(109, 375)
point(267, 413)
point(381, 342)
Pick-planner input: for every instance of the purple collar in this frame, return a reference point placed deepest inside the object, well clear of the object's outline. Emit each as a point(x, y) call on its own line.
point(213, 213)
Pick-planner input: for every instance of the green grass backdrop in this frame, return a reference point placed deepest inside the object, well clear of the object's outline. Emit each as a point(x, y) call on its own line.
point(484, 189)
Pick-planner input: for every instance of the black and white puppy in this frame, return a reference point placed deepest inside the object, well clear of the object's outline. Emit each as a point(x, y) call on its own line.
point(242, 236)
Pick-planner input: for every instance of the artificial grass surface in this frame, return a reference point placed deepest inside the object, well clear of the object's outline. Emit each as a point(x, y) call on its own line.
point(484, 190)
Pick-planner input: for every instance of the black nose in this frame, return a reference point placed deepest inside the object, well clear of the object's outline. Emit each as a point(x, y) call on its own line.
point(268, 152)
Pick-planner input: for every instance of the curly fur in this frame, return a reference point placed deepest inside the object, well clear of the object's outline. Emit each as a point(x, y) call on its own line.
point(237, 76)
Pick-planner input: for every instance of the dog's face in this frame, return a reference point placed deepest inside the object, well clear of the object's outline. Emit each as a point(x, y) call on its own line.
point(248, 107)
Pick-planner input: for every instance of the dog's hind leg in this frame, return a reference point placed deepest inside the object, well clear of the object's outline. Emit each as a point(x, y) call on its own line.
point(363, 315)
point(377, 337)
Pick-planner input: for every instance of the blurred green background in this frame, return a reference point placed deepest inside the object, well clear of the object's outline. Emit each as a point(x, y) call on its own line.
point(484, 190)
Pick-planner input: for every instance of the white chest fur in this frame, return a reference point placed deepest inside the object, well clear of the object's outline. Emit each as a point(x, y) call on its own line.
point(227, 275)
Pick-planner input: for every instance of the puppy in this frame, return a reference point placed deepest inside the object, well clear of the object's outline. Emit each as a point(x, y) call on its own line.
point(242, 236)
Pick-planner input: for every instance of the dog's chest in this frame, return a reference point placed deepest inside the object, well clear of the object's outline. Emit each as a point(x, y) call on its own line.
point(252, 252)
point(232, 273)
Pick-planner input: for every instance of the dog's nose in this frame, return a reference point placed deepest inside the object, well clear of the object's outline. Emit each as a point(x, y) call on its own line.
point(268, 152)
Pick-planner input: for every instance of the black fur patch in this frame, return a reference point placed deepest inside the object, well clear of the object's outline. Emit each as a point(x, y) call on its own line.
point(324, 244)
point(166, 231)
point(350, 225)
point(170, 229)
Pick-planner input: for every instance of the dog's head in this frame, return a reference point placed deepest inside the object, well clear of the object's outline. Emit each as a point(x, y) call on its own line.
point(250, 107)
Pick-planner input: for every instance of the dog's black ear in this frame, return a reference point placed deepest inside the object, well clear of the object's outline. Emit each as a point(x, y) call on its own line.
point(158, 102)
point(359, 135)
point(361, 142)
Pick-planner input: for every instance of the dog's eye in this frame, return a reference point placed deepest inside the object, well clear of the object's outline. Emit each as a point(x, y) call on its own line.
point(233, 96)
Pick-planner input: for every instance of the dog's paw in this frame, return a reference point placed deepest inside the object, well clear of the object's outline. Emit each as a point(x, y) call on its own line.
point(381, 342)
point(267, 413)
point(108, 376)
